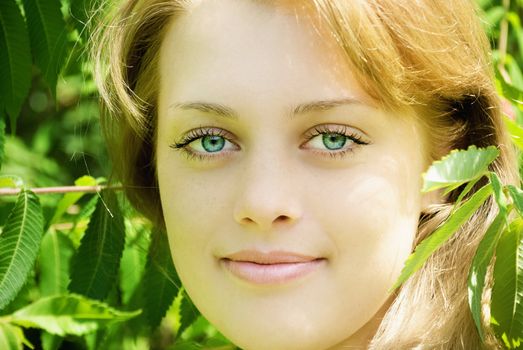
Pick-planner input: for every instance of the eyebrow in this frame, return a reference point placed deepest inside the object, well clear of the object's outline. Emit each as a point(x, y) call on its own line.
point(229, 113)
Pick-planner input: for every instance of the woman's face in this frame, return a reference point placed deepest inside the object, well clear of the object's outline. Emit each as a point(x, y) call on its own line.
point(291, 200)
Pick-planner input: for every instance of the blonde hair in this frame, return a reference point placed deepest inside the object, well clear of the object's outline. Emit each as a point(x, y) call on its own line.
point(425, 53)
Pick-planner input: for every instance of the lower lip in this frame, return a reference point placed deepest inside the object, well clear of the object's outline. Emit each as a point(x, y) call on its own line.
point(271, 273)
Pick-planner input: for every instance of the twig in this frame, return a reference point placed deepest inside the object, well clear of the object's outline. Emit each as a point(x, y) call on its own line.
point(59, 189)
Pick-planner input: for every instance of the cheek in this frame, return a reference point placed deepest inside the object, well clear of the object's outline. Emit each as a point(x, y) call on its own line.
point(371, 215)
point(196, 209)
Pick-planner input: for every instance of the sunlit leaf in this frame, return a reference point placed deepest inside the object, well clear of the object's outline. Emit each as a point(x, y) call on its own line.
point(10, 337)
point(15, 60)
point(497, 187)
point(509, 91)
point(55, 256)
point(47, 34)
point(459, 167)
point(96, 263)
point(430, 244)
point(160, 278)
point(478, 270)
point(517, 198)
point(507, 292)
point(515, 131)
point(71, 198)
point(495, 14)
point(19, 245)
point(11, 181)
point(69, 314)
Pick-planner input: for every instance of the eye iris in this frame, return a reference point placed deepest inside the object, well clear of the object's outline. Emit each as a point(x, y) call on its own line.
point(334, 141)
point(213, 143)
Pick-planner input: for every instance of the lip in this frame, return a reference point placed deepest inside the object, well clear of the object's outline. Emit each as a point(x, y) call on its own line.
point(274, 267)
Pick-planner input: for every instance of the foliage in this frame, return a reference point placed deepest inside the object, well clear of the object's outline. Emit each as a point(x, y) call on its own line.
point(86, 271)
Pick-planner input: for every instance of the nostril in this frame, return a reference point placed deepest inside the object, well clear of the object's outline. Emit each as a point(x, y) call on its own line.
point(282, 219)
point(247, 220)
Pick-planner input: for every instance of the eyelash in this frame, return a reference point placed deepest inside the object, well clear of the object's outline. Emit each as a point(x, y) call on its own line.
point(340, 130)
point(196, 134)
point(201, 132)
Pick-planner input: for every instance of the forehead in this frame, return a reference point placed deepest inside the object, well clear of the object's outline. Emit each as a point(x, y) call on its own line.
point(249, 45)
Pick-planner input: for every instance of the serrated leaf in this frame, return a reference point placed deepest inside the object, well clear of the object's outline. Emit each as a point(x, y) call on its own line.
point(480, 263)
point(161, 279)
point(81, 221)
point(507, 292)
point(459, 167)
point(47, 34)
point(188, 314)
point(19, 245)
point(15, 60)
point(10, 337)
point(430, 244)
point(133, 259)
point(71, 198)
point(69, 314)
point(2, 140)
point(55, 255)
point(96, 263)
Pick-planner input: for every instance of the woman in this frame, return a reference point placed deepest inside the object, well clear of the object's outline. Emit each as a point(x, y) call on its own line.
point(281, 144)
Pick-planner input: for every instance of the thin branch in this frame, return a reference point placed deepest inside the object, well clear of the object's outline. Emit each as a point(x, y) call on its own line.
point(59, 189)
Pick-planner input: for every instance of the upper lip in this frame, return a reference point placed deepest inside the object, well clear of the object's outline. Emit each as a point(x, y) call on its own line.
point(273, 257)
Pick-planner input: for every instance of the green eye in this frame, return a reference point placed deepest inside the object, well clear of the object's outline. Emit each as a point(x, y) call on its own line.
point(334, 141)
point(213, 143)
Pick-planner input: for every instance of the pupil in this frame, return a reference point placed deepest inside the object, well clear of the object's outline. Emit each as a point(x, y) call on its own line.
point(334, 141)
point(213, 143)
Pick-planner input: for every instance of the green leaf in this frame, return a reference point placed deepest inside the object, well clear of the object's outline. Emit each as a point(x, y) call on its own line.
point(499, 196)
point(82, 12)
point(11, 181)
point(47, 34)
point(133, 259)
point(188, 314)
point(69, 314)
point(82, 219)
point(10, 337)
point(478, 270)
point(71, 198)
point(15, 60)
point(507, 292)
point(50, 341)
point(55, 256)
point(495, 14)
point(97, 260)
point(2, 140)
point(509, 91)
point(458, 168)
point(161, 279)
point(430, 244)
point(19, 245)
point(517, 198)
point(515, 131)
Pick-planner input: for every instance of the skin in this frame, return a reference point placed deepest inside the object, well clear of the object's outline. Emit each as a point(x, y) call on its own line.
point(275, 186)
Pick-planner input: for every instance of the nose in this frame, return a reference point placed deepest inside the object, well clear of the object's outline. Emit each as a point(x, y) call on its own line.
point(268, 196)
